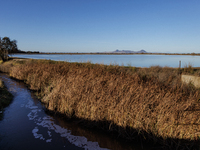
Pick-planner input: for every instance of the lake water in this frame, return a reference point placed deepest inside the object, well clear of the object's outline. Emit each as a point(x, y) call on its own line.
point(126, 60)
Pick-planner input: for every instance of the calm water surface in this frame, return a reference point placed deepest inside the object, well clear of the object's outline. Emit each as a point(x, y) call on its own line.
point(126, 60)
point(26, 126)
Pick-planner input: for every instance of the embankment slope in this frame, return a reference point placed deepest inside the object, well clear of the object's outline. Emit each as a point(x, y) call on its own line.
point(151, 102)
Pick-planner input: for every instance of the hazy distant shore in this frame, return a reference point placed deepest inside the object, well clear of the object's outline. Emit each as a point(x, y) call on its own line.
point(99, 53)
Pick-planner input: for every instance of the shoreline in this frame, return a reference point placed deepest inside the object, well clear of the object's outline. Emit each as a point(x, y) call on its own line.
point(41, 53)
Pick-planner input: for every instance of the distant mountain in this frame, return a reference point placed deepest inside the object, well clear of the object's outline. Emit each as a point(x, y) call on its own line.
point(128, 51)
point(142, 51)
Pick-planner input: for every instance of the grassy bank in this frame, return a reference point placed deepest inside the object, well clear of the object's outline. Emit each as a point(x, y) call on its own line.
point(149, 103)
point(5, 98)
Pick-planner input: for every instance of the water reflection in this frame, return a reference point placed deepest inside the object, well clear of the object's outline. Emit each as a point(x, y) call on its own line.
point(103, 139)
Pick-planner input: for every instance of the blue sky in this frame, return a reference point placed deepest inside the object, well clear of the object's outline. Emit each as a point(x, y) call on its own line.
point(102, 25)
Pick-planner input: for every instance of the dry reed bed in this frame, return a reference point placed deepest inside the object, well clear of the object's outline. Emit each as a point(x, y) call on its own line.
point(146, 99)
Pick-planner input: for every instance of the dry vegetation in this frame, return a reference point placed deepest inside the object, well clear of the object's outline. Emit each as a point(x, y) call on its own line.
point(151, 102)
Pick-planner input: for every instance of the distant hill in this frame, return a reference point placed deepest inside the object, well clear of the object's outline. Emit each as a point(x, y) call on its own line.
point(128, 51)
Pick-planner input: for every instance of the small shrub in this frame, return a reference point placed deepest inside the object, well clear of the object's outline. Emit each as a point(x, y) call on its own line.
point(1, 61)
point(189, 69)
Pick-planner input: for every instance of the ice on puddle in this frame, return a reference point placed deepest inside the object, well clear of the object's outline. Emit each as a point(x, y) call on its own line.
point(36, 135)
point(48, 122)
point(48, 140)
point(39, 119)
point(29, 104)
point(33, 107)
point(32, 115)
point(47, 118)
point(35, 130)
point(49, 133)
point(34, 110)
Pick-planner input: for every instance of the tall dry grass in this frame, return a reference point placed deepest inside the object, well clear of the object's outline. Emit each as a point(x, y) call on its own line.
point(151, 100)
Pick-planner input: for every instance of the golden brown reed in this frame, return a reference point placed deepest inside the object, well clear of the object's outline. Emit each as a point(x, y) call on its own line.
point(146, 99)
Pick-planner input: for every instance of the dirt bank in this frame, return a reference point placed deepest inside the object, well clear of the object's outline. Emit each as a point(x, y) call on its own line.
point(5, 98)
point(149, 102)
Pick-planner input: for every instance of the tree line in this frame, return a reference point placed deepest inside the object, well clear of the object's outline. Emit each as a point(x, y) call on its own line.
point(7, 46)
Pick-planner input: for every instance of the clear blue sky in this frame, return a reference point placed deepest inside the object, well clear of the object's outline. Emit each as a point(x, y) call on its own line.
point(102, 25)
